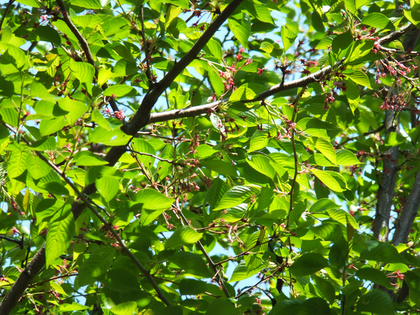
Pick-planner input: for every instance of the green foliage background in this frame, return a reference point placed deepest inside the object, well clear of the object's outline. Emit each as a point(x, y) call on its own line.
point(138, 138)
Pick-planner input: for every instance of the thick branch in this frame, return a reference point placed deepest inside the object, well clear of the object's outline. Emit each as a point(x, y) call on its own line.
point(206, 108)
point(25, 278)
point(142, 116)
point(408, 214)
point(390, 157)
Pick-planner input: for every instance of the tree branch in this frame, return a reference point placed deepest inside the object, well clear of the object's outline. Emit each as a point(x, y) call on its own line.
point(206, 108)
point(5, 13)
point(408, 214)
point(390, 157)
point(142, 116)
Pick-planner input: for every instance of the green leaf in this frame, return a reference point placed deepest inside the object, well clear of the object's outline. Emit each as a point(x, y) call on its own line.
point(44, 144)
point(90, 4)
point(60, 234)
point(72, 307)
point(241, 29)
point(235, 196)
point(108, 187)
point(346, 158)
point(96, 265)
point(374, 275)
point(8, 113)
point(191, 263)
point(221, 167)
point(83, 71)
point(108, 123)
point(104, 75)
point(217, 305)
point(54, 188)
point(46, 208)
point(323, 205)
point(114, 137)
point(382, 252)
point(288, 37)
point(96, 172)
point(376, 20)
point(86, 158)
point(121, 280)
point(241, 273)
point(75, 109)
point(184, 235)
point(216, 82)
point(4, 133)
point(342, 217)
point(192, 287)
point(359, 49)
point(215, 193)
point(125, 308)
point(118, 90)
point(360, 77)
point(262, 164)
point(47, 34)
point(326, 288)
point(214, 48)
point(30, 3)
point(153, 200)
point(143, 146)
point(376, 302)
point(259, 141)
point(326, 148)
point(341, 42)
point(328, 180)
point(352, 94)
point(181, 3)
point(242, 93)
point(39, 91)
point(308, 264)
point(205, 151)
point(350, 6)
point(49, 127)
point(148, 216)
point(17, 163)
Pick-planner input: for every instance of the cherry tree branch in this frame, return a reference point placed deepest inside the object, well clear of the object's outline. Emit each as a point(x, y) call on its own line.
point(210, 107)
point(408, 214)
point(390, 157)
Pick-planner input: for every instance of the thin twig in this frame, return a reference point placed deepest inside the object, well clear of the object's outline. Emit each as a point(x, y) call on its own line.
point(295, 158)
point(145, 48)
point(20, 242)
point(85, 47)
point(5, 13)
point(156, 157)
point(200, 246)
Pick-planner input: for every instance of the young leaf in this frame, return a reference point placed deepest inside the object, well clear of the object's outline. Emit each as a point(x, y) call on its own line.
point(60, 234)
point(235, 196)
point(108, 187)
point(308, 264)
point(184, 235)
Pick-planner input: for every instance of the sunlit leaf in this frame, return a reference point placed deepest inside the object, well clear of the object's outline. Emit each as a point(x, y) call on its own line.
point(184, 235)
point(60, 234)
point(108, 187)
point(236, 196)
